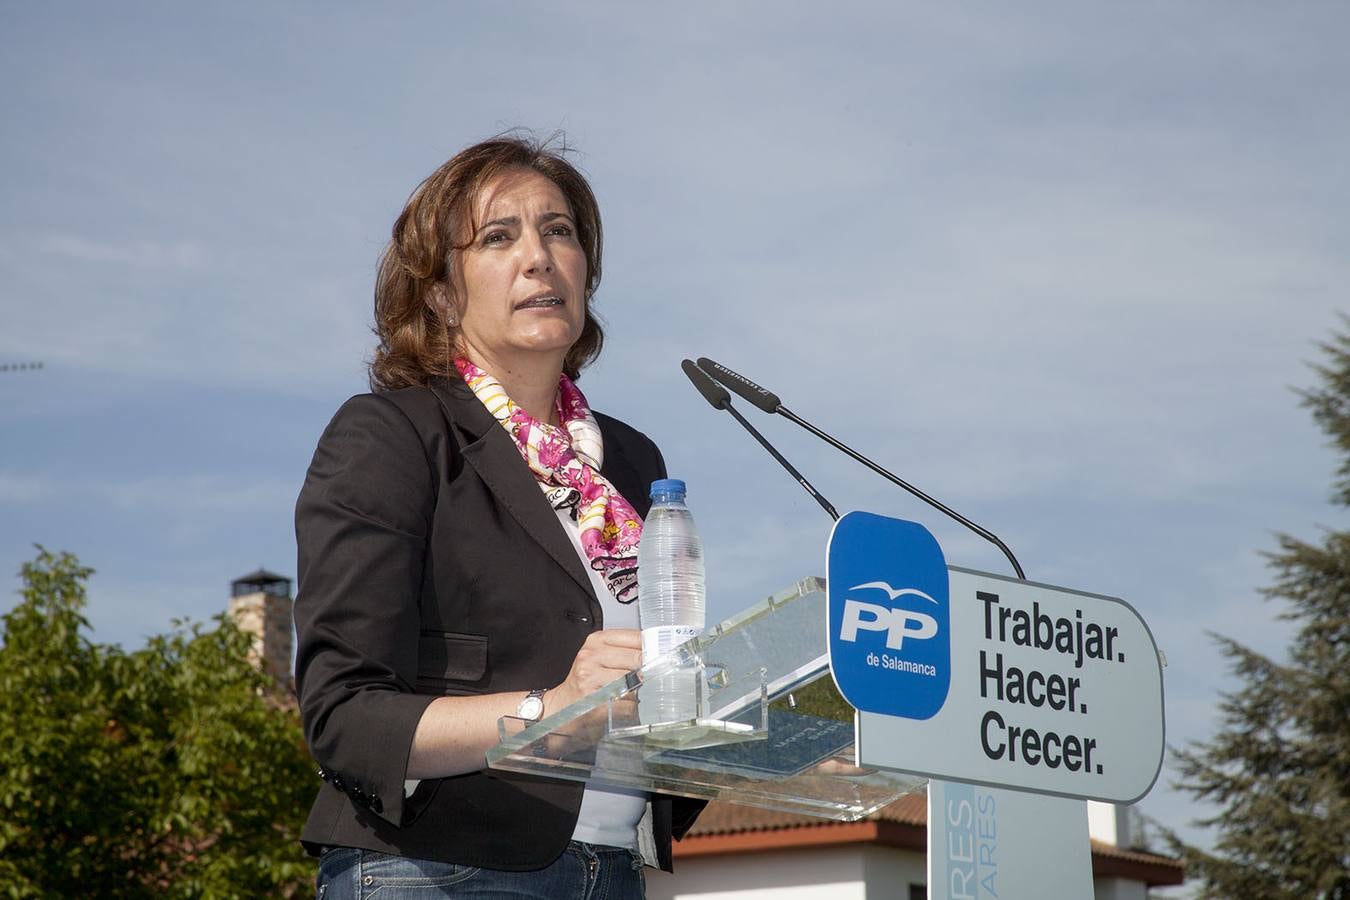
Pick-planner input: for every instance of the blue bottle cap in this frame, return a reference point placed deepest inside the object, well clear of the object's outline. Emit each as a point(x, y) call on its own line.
point(667, 486)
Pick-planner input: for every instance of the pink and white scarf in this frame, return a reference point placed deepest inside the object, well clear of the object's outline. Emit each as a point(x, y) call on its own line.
point(566, 462)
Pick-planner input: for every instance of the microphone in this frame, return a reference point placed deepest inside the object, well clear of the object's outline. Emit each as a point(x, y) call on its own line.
point(718, 398)
point(713, 392)
point(756, 395)
point(769, 403)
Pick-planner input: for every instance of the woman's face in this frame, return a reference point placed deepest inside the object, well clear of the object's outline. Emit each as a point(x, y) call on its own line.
point(523, 298)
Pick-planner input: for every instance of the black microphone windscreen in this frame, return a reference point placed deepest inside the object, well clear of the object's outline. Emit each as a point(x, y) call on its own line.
point(713, 392)
point(753, 393)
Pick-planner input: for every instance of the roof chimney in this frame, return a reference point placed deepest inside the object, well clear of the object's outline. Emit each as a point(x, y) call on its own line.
point(260, 604)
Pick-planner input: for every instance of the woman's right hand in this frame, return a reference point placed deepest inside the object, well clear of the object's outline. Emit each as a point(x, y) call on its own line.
point(607, 654)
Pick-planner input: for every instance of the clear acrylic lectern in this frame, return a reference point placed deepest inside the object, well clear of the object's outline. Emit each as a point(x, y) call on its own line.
point(750, 743)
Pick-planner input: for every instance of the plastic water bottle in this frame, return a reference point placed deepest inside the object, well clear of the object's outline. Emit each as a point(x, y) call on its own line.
point(670, 600)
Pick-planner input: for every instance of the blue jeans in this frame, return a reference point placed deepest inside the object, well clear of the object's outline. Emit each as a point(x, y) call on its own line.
point(583, 872)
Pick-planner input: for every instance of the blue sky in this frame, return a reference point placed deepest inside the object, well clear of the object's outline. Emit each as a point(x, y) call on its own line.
point(1058, 264)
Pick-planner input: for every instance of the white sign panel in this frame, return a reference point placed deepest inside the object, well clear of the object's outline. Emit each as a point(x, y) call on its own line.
point(990, 844)
point(1052, 690)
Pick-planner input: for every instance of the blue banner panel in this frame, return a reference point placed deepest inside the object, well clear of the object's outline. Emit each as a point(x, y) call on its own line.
point(889, 616)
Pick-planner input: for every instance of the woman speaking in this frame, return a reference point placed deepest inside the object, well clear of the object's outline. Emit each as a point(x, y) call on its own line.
point(468, 538)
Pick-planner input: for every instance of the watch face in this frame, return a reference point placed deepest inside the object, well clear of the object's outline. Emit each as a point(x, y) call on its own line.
point(531, 708)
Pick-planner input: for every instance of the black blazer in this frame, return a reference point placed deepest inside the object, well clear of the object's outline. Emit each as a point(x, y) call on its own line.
point(430, 563)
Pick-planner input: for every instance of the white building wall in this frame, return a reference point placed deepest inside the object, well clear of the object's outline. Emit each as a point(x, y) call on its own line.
point(1118, 889)
point(1112, 823)
point(833, 873)
point(846, 872)
point(889, 872)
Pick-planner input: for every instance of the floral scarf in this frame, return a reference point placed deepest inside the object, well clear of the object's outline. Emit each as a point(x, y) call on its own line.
point(566, 462)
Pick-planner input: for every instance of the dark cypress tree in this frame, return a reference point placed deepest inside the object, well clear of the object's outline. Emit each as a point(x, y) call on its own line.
point(1278, 770)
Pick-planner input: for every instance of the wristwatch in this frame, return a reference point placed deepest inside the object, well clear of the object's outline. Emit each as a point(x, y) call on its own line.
point(531, 709)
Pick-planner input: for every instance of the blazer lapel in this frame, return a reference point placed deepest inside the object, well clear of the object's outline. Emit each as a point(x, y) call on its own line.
point(487, 446)
point(618, 470)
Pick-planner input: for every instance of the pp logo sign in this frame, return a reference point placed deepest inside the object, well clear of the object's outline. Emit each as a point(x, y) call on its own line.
point(894, 620)
point(889, 616)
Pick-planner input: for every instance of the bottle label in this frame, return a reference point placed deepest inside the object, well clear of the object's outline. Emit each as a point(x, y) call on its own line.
point(661, 639)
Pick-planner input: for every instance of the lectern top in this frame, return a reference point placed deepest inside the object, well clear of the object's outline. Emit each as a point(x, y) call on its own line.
point(748, 744)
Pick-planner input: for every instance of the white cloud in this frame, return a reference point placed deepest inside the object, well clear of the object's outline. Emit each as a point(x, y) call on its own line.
point(195, 494)
point(20, 489)
point(138, 254)
point(185, 496)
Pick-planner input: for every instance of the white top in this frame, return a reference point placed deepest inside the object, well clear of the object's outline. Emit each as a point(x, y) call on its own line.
point(609, 815)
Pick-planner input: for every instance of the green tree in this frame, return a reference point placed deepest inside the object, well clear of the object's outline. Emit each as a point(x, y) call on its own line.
point(176, 770)
point(819, 698)
point(1278, 770)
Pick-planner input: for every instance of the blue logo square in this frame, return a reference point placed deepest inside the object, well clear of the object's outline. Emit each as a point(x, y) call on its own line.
point(889, 616)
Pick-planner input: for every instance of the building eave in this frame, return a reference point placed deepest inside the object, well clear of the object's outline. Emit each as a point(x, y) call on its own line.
point(728, 839)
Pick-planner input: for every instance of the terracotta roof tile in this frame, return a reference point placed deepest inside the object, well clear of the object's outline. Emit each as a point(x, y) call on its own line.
point(728, 818)
point(729, 824)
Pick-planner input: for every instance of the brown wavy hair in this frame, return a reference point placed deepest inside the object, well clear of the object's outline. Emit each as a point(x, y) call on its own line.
point(423, 256)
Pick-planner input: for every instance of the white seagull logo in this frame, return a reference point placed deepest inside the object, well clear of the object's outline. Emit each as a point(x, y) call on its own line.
point(892, 592)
